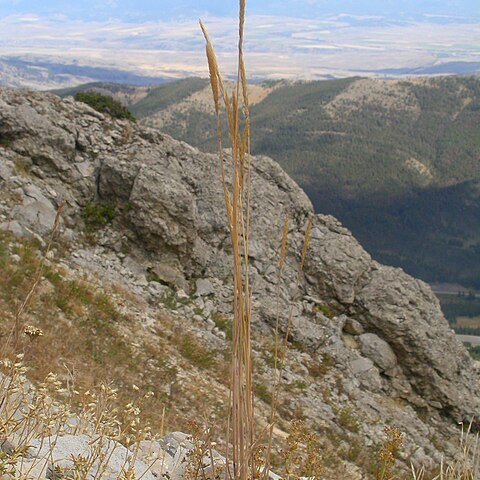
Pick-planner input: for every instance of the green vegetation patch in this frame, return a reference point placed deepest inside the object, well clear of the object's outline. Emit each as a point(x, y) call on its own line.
point(223, 323)
point(474, 351)
point(324, 309)
point(458, 308)
point(104, 104)
point(22, 166)
point(262, 391)
point(5, 237)
point(347, 418)
point(5, 140)
point(197, 354)
point(168, 94)
point(97, 214)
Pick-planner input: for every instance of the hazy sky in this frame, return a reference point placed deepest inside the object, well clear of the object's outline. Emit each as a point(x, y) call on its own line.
point(143, 10)
point(284, 38)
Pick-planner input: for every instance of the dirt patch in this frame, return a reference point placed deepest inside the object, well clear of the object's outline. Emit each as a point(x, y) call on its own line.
point(417, 166)
point(389, 94)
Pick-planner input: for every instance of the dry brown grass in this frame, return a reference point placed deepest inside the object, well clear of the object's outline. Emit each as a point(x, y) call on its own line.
point(31, 413)
point(246, 460)
point(466, 464)
point(92, 335)
point(241, 427)
point(29, 330)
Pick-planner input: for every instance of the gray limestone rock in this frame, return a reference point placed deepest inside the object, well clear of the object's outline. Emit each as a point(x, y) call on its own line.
point(15, 227)
point(378, 351)
point(114, 459)
point(36, 215)
point(352, 327)
point(361, 365)
point(307, 333)
point(407, 313)
point(203, 287)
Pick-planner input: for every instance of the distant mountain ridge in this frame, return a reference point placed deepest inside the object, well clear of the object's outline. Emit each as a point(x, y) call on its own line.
point(398, 161)
point(45, 75)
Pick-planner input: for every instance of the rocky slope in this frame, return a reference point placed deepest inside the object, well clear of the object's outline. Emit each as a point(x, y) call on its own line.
point(383, 156)
point(370, 345)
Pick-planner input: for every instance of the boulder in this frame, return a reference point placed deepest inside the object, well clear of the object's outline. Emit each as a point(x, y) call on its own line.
point(352, 327)
point(203, 287)
point(379, 351)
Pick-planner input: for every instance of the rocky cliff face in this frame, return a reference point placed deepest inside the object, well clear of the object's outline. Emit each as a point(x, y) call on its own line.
point(385, 352)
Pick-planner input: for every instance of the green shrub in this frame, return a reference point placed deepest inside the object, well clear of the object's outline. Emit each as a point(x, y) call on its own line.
point(194, 352)
point(169, 299)
point(98, 214)
point(319, 367)
point(300, 384)
point(4, 140)
point(262, 392)
point(347, 419)
point(153, 277)
point(223, 323)
point(104, 104)
point(324, 309)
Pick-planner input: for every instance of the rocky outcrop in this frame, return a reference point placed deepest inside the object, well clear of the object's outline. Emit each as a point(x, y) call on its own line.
point(376, 333)
point(59, 455)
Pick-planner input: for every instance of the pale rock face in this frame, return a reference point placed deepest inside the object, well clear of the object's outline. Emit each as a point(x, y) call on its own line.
point(170, 212)
point(36, 213)
point(379, 351)
point(113, 459)
point(352, 327)
point(366, 372)
point(204, 287)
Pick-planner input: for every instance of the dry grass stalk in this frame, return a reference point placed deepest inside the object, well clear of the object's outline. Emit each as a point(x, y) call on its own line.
point(466, 466)
point(281, 349)
point(240, 425)
point(36, 280)
point(32, 414)
point(281, 263)
point(240, 429)
point(306, 243)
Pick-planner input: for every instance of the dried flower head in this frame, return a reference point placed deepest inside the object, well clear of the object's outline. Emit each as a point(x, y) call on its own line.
point(32, 331)
point(388, 452)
